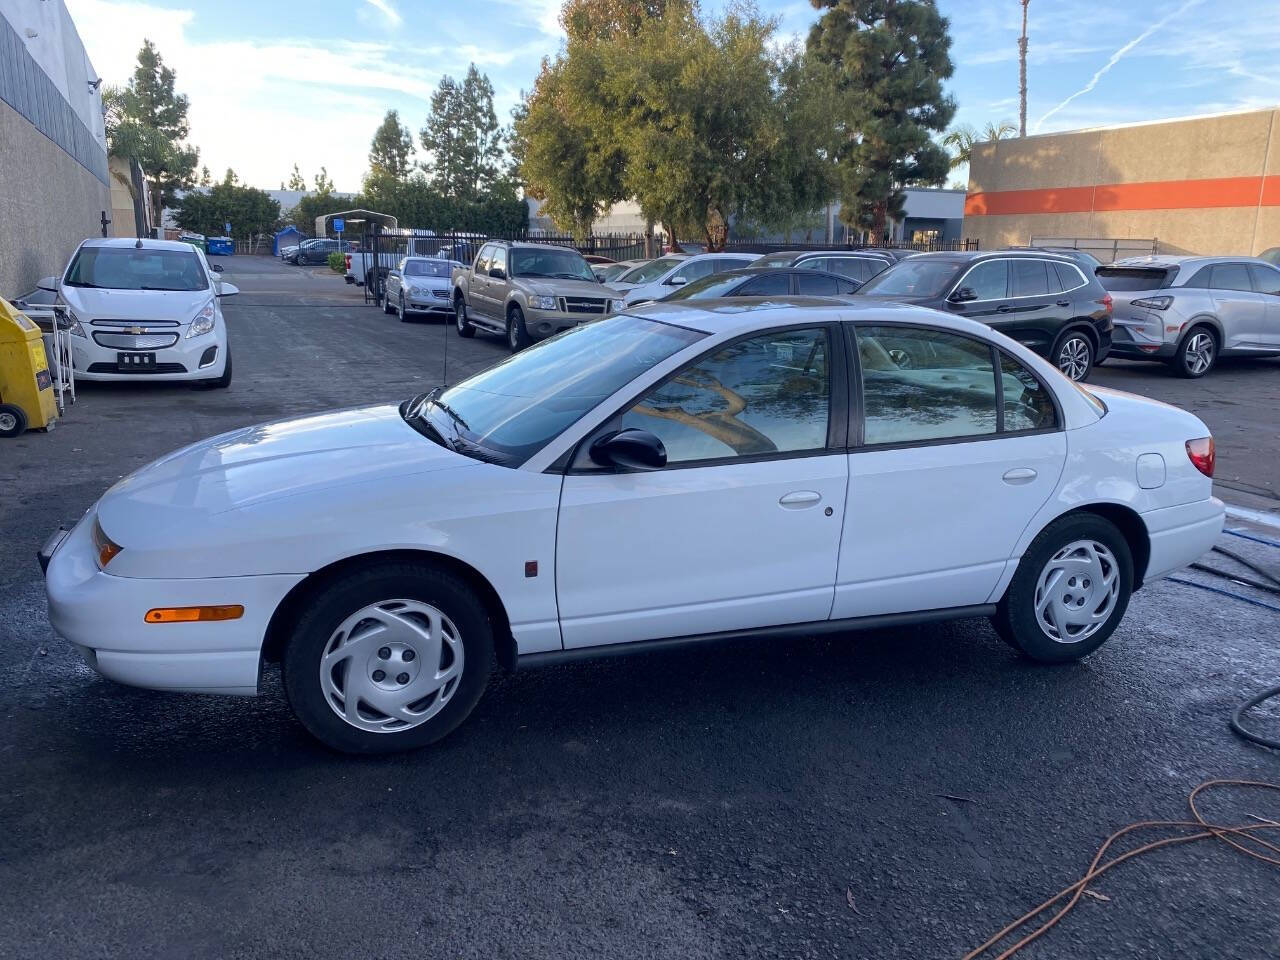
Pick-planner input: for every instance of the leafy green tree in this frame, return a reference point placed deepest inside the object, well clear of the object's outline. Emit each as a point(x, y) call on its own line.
point(252, 213)
point(962, 138)
point(888, 60)
point(323, 184)
point(462, 139)
point(295, 180)
point(206, 178)
point(230, 178)
point(146, 121)
point(391, 151)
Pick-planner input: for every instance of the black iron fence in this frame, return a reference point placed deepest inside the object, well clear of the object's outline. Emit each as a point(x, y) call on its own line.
point(923, 246)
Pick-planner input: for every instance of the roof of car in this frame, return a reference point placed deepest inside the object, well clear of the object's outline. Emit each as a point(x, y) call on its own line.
point(147, 244)
point(744, 314)
point(1179, 260)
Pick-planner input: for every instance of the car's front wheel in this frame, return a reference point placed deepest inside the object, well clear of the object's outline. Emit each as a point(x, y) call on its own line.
point(1074, 355)
point(1070, 590)
point(401, 312)
point(460, 321)
point(390, 658)
point(517, 333)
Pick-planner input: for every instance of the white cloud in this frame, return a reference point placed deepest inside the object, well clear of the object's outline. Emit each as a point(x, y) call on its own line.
point(391, 14)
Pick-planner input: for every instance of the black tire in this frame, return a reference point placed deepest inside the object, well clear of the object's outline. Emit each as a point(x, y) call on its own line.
point(1191, 348)
point(460, 321)
point(401, 312)
point(376, 584)
point(224, 381)
point(1073, 354)
point(13, 420)
point(1017, 620)
point(386, 307)
point(517, 334)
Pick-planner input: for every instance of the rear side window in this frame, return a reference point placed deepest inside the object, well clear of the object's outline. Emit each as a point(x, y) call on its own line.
point(1265, 279)
point(989, 280)
point(721, 264)
point(1124, 279)
point(1030, 279)
point(816, 285)
point(1027, 404)
point(1230, 276)
point(855, 268)
point(768, 285)
point(695, 270)
point(1068, 277)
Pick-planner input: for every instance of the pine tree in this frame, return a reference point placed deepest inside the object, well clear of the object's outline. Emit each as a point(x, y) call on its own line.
point(324, 186)
point(295, 180)
point(462, 138)
point(391, 151)
point(888, 59)
point(206, 178)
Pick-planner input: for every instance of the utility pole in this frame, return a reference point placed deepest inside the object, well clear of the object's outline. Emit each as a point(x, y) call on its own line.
point(1022, 73)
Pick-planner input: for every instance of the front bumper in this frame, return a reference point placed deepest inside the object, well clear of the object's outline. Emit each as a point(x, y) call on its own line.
point(198, 358)
point(547, 323)
point(102, 617)
point(426, 301)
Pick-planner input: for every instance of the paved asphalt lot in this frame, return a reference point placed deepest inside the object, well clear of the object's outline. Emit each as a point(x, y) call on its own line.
point(730, 801)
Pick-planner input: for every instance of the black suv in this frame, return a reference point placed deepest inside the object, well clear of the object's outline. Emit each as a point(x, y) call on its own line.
point(1043, 301)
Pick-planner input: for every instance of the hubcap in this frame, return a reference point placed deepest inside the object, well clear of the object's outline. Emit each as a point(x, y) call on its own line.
point(460, 315)
point(1199, 352)
point(402, 306)
point(513, 332)
point(391, 666)
point(1073, 358)
point(8, 421)
point(1077, 591)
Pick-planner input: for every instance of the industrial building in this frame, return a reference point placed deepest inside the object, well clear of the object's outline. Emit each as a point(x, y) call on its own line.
point(54, 182)
point(1206, 185)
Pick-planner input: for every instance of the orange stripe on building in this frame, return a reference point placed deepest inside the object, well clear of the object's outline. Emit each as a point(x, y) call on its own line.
point(1152, 195)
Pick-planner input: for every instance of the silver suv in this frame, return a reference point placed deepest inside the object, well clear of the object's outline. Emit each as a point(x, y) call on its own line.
point(1188, 311)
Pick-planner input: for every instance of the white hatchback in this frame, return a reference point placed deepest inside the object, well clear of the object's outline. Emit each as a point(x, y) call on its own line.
point(686, 473)
point(145, 310)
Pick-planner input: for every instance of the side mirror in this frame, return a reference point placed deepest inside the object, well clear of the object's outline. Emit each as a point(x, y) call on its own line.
point(393, 273)
point(497, 273)
point(49, 283)
point(963, 295)
point(216, 267)
point(630, 449)
point(227, 289)
point(677, 281)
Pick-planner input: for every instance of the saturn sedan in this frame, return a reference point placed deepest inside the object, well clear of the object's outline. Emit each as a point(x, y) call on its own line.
point(684, 473)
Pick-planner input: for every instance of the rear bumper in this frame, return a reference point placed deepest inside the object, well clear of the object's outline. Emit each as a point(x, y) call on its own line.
point(1182, 534)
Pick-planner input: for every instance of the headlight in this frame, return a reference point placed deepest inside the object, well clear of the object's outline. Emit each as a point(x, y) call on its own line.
point(103, 548)
point(203, 323)
point(75, 328)
point(544, 303)
point(617, 306)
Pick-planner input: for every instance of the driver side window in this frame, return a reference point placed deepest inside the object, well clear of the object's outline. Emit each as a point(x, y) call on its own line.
point(767, 394)
point(989, 280)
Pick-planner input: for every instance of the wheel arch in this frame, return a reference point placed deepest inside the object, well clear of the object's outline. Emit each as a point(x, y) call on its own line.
point(1203, 320)
point(1131, 526)
point(1082, 326)
point(290, 607)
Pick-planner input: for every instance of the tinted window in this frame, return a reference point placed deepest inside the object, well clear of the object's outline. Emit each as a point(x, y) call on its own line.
point(1029, 278)
point(695, 270)
point(816, 285)
point(815, 263)
point(774, 260)
point(128, 268)
point(1054, 285)
point(765, 286)
point(914, 278)
point(767, 394)
point(1027, 404)
point(1265, 279)
point(1068, 278)
point(1124, 279)
point(845, 285)
point(920, 384)
point(732, 263)
point(855, 268)
point(1230, 276)
point(989, 280)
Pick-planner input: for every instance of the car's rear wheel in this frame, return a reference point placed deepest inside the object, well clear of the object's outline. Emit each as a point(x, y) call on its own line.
point(1197, 353)
point(1074, 355)
point(390, 658)
point(1070, 591)
point(517, 334)
point(387, 307)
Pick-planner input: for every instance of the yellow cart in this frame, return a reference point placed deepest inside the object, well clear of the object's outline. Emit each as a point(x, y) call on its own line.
point(26, 386)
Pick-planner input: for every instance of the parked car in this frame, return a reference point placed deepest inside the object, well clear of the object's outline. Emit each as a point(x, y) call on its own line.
point(420, 285)
point(860, 265)
point(608, 272)
point(1189, 311)
point(656, 279)
point(1083, 259)
point(677, 475)
point(596, 258)
point(527, 291)
point(288, 253)
point(1043, 301)
point(145, 310)
point(318, 250)
point(763, 282)
point(1271, 255)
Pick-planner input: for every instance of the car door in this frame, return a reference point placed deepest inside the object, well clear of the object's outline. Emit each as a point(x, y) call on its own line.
point(478, 287)
point(1243, 312)
point(741, 528)
point(1266, 283)
point(943, 478)
point(394, 282)
point(1036, 311)
point(986, 284)
point(499, 283)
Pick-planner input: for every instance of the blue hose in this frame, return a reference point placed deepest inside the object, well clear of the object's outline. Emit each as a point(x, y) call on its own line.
point(1225, 593)
point(1250, 536)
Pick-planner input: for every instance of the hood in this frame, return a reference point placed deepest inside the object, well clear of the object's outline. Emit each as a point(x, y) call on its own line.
point(142, 305)
point(894, 298)
point(209, 486)
point(567, 288)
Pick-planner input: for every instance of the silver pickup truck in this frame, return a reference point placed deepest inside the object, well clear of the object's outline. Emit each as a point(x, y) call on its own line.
point(527, 291)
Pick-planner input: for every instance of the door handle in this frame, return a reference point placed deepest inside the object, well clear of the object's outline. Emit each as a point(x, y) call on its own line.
point(799, 499)
point(1004, 308)
point(1064, 303)
point(1019, 475)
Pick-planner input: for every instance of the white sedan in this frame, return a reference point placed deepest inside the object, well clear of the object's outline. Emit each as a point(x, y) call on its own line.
point(658, 279)
point(679, 474)
point(145, 310)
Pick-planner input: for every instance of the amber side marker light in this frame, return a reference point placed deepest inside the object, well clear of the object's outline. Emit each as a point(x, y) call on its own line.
point(230, 611)
point(102, 544)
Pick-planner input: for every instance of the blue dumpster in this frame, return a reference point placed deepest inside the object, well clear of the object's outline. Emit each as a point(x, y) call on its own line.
point(221, 246)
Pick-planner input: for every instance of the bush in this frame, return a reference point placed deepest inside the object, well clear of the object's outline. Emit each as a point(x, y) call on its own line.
point(338, 262)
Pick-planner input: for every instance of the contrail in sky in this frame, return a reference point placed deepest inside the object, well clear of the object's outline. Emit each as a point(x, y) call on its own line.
point(1117, 57)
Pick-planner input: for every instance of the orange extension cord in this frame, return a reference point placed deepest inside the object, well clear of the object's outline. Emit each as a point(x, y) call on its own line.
point(1240, 837)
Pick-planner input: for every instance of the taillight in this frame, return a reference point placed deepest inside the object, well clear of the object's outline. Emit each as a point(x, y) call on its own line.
point(347, 257)
point(1201, 454)
point(1107, 303)
point(1153, 303)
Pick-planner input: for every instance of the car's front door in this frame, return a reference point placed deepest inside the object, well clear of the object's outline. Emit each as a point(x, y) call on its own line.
point(981, 291)
point(741, 529)
point(943, 478)
point(478, 287)
point(499, 283)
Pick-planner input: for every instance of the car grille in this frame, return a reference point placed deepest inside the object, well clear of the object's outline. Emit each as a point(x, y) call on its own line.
point(440, 294)
point(582, 304)
point(130, 341)
point(114, 368)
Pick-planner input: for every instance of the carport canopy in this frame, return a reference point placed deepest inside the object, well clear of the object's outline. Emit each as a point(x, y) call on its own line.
point(354, 217)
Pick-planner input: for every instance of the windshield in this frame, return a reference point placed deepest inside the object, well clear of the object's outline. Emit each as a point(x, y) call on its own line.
point(611, 271)
point(709, 287)
point(554, 262)
point(913, 278)
point(650, 271)
point(428, 268)
point(775, 260)
point(130, 268)
point(510, 411)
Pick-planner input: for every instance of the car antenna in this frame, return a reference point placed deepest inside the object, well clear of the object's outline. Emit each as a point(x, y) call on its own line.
point(138, 245)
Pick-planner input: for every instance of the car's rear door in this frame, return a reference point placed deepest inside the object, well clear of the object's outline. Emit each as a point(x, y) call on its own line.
point(741, 529)
point(1243, 312)
point(1037, 310)
point(948, 465)
point(1266, 283)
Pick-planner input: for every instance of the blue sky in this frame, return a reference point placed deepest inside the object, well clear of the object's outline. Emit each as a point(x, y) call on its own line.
point(273, 83)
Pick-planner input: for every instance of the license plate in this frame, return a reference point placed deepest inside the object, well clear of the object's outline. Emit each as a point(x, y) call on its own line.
point(135, 361)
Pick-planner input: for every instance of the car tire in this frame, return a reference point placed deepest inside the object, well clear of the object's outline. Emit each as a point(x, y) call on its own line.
point(401, 312)
point(13, 420)
point(517, 334)
point(460, 321)
point(222, 382)
point(1197, 353)
point(1070, 591)
point(1073, 355)
point(412, 601)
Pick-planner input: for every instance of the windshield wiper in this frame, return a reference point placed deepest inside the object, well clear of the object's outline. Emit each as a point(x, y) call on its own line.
point(85, 283)
point(450, 412)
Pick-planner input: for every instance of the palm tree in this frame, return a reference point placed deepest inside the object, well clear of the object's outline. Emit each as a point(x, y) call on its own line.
point(962, 139)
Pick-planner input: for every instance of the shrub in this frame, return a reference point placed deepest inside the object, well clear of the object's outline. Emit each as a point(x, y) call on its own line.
point(338, 262)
